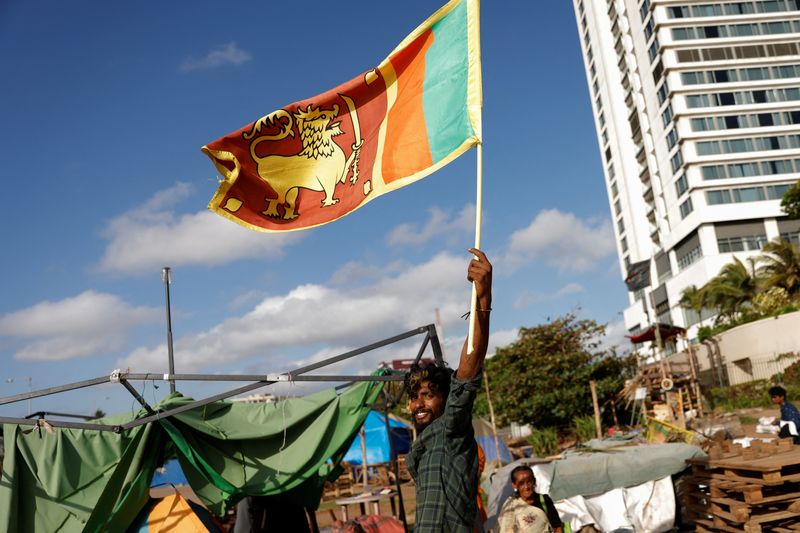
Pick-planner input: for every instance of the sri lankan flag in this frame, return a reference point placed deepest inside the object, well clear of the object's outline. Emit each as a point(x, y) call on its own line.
point(317, 160)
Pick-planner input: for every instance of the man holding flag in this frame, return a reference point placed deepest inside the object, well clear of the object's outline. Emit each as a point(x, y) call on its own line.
point(317, 160)
point(444, 458)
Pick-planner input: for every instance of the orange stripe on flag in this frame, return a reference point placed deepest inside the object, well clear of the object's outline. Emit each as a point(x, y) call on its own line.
point(406, 148)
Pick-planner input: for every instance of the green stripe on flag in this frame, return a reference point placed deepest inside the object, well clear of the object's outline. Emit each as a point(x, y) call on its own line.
point(444, 96)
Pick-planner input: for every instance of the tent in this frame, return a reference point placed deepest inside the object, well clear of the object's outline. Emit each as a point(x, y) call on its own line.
point(174, 514)
point(81, 480)
point(485, 438)
point(377, 440)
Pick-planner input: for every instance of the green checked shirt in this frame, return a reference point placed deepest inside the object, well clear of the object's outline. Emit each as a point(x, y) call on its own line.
point(444, 464)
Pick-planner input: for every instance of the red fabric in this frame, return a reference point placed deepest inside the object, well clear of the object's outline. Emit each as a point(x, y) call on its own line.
point(370, 524)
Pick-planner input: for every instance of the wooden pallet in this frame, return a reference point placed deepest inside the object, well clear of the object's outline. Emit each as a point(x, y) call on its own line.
point(740, 492)
point(774, 469)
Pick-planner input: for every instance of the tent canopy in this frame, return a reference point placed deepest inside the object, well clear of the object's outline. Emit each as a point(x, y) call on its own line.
point(667, 331)
point(377, 440)
point(85, 480)
point(484, 436)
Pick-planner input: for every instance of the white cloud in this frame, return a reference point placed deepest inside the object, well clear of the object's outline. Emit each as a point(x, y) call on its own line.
point(438, 223)
point(526, 298)
point(153, 235)
point(616, 336)
point(229, 54)
point(88, 324)
point(562, 240)
point(311, 316)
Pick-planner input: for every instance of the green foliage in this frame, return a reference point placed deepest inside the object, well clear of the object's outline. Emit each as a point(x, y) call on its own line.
point(790, 203)
point(742, 292)
point(543, 377)
point(544, 441)
point(584, 428)
point(791, 374)
point(750, 394)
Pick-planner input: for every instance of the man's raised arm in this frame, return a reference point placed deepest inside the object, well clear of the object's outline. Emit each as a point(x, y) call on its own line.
point(480, 273)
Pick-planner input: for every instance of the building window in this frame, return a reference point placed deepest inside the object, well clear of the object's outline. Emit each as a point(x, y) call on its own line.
point(753, 120)
point(790, 94)
point(666, 116)
point(676, 161)
point(718, 197)
point(686, 208)
point(672, 138)
point(691, 257)
point(652, 52)
point(681, 185)
point(750, 144)
point(693, 55)
point(620, 226)
point(624, 244)
point(741, 244)
point(746, 194)
point(734, 8)
point(617, 208)
point(662, 93)
point(735, 30)
point(750, 169)
point(614, 191)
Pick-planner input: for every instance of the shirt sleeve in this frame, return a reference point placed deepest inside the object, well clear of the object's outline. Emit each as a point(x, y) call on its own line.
point(458, 410)
point(790, 414)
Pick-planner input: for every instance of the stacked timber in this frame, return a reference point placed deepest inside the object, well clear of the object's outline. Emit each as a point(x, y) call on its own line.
point(750, 490)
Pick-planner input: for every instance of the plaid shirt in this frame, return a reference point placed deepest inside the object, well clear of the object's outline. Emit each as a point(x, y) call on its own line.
point(444, 464)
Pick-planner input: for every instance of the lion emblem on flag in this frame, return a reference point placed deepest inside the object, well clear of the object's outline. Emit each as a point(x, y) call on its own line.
point(321, 164)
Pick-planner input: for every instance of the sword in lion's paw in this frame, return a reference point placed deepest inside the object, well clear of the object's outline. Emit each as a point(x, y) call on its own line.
point(359, 142)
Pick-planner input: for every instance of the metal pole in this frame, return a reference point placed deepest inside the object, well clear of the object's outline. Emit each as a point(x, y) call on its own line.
point(394, 459)
point(166, 277)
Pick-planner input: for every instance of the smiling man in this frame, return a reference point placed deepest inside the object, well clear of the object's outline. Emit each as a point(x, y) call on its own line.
point(444, 458)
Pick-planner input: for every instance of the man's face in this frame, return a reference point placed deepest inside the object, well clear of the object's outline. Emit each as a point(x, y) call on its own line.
point(777, 399)
point(525, 484)
point(426, 405)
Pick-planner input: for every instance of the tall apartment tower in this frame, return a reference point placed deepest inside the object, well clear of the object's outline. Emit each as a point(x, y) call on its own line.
point(697, 110)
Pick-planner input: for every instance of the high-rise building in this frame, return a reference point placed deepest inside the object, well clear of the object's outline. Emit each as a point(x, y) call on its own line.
point(697, 110)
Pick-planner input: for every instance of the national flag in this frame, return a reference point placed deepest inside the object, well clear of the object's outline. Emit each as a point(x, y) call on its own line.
point(638, 276)
point(318, 159)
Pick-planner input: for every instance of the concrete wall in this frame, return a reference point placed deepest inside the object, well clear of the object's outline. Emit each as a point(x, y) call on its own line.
point(751, 351)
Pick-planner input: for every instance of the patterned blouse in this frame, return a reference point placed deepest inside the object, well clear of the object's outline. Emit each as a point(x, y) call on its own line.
point(517, 516)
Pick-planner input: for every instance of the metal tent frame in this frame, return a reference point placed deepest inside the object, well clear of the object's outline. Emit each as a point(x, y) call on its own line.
point(258, 381)
point(38, 420)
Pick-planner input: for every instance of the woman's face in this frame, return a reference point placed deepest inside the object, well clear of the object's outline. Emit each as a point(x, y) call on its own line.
point(524, 484)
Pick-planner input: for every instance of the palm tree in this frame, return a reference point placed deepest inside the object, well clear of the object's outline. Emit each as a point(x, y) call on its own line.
point(694, 300)
point(734, 287)
point(781, 266)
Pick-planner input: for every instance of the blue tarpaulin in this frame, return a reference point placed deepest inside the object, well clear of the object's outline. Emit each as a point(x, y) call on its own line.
point(378, 450)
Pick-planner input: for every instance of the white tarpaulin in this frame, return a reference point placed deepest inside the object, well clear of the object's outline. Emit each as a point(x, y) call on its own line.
point(647, 508)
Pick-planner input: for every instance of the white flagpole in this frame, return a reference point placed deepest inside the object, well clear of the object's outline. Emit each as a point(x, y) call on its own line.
point(478, 209)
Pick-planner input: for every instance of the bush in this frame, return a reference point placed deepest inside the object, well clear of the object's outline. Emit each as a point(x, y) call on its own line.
point(746, 395)
point(791, 374)
point(544, 441)
point(584, 428)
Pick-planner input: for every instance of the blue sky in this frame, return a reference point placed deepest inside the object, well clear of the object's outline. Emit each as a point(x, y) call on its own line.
point(104, 109)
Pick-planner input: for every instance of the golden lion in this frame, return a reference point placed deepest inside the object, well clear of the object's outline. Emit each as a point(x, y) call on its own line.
point(318, 167)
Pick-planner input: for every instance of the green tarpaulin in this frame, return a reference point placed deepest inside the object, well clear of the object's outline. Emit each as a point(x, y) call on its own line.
point(84, 480)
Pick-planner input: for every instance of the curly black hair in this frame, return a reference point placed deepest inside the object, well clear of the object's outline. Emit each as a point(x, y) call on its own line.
point(777, 391)
point(438, 376)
